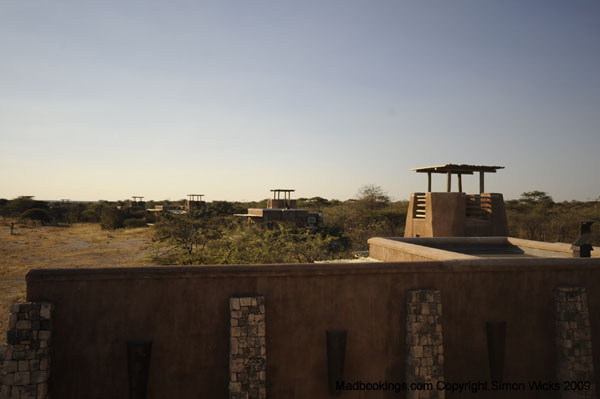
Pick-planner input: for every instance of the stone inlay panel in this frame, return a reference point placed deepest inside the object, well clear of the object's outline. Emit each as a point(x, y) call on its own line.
point(424, 344)
point(247, 350)
point(27, 358)
point(573, 341)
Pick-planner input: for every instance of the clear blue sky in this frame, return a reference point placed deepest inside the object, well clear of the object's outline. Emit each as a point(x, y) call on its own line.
point(108, 99)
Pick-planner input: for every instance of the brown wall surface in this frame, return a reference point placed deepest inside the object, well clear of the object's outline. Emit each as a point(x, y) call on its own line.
point(447, 212)
point(499, 222)
point(416, 226)
point(184, 311)
point(446, 217)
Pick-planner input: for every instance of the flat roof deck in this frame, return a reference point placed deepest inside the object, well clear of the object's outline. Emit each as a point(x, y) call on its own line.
point(447, 248)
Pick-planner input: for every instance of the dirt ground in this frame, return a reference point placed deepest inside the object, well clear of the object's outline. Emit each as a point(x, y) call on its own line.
point(80, 245)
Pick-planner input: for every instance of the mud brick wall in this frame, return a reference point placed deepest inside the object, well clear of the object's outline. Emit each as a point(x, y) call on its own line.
point(573, 340)
point(185, 312)
point(425, 350)
point(247, 352)
point(27, 359)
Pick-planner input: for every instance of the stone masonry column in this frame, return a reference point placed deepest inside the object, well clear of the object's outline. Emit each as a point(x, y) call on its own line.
point(424, 344)
point(27, 358)
point(573, 341)
point(247, 349)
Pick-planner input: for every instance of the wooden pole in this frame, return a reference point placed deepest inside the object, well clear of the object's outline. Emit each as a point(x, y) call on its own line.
point(448, 181)
point(481, 184)
point(428, 182)
point(460, 183)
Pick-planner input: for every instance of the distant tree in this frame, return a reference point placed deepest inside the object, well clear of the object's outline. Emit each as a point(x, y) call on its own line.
point(220, 208)
point(314, 203)
point(111, 218)
point(181, 237)
point(392, 222)
point(371, 215)
point(132, 223)
point(372, 197)
point(58, 212)
point(20, 204)
point(75, 212)
point(535, 197)
point(37, 214)
point(4, 209)
point(93, 211)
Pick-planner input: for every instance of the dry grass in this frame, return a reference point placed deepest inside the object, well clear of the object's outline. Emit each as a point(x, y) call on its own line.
point(82, 245)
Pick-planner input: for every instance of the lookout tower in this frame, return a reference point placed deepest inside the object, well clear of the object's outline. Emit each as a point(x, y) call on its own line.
point(456, 214)
point(137, 203)
point(194, 201)
point(284, 203)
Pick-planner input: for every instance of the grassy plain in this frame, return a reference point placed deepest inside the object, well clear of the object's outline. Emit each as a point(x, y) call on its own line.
point(80, 245)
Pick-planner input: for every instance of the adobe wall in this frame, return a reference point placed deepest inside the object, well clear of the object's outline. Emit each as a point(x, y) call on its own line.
point(186, 313)
point(282, 203)
point(297, 216)
point(391, 250)
point(445, 216)
point(447, 212)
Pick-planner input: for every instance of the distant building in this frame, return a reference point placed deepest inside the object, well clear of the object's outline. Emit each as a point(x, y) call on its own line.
point(193, 202)
point(282, 208)
point(138, 203)
point(175, 209)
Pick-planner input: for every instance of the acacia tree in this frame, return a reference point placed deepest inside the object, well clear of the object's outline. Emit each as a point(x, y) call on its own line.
point(371, 198)
point(180, 236)
point(37, 214)
point(530, 216)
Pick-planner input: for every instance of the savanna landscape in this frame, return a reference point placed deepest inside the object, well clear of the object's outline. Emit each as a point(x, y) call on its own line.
point(108, 234)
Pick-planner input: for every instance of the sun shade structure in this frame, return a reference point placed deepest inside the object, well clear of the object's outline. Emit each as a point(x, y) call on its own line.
point(459, 170)
point(194, 201)
point(137, 203)
point(278, 202)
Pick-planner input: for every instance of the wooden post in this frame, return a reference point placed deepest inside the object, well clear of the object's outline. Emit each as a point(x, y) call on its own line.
point(448, 181)
point(428, 182)
point(481, 185)
point(459, 183)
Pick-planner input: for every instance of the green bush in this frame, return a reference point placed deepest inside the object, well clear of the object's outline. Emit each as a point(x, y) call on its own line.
point(133, 223)
point(111, 218)
point(184, 240)
point(37, 214)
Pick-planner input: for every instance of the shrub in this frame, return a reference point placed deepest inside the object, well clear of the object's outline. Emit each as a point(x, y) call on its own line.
point(111, 218)
point(133, 223)
point(38, 214)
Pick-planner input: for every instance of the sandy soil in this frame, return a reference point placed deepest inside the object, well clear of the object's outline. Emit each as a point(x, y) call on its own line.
point(81, 245)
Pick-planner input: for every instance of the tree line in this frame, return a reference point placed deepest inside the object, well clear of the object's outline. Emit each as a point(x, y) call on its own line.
point(212, 235)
